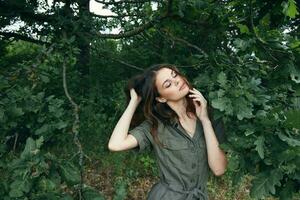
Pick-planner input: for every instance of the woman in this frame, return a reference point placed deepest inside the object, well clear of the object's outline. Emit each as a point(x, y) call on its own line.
point(177, 127)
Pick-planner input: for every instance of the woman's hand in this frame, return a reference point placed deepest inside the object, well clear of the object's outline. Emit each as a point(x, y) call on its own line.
point(134, 97)
point(200, 104)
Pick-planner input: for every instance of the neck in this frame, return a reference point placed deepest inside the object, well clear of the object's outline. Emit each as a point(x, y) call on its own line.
point(179, 107)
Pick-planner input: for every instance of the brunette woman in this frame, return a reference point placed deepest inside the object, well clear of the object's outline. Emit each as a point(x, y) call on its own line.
point(172, 118)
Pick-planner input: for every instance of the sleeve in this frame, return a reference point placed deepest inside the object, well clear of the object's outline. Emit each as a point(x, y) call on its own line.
point(142, 134)
point(219, 129)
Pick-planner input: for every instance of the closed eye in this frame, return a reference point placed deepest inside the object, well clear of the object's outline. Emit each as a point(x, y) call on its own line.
point(173, 74)
point(168, 85)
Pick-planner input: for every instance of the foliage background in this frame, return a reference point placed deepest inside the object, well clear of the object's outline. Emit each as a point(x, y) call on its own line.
point(62, 78)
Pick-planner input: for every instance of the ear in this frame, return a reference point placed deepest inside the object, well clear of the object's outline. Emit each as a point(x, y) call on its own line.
point(161, 100)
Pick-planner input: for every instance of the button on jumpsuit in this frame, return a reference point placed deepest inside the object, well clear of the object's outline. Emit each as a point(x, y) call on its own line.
point(182, 163)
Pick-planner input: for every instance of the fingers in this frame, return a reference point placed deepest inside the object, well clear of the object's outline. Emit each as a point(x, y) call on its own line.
point(196, 93)
point(199, 97)
point(194, 90)
point(196, 104)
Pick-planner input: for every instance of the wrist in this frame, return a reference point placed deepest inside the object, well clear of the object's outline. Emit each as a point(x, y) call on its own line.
point(134, 102)
point(205, 120)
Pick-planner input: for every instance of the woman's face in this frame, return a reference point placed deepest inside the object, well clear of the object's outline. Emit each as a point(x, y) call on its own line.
point(170, 85)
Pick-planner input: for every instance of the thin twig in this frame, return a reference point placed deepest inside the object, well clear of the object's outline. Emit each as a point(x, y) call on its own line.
point(16, 139)
point(121, 61)
point(75, 129)
point(185, 42)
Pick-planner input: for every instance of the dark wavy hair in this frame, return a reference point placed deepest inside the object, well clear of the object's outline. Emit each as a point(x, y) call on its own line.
point(149, 108)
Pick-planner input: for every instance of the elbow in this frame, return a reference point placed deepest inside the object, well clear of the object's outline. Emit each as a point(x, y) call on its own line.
point(219, 172)
point(112, 147)
point(221, 169)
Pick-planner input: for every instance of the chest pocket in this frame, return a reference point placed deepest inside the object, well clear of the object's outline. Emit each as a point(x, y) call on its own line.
point(176, 144)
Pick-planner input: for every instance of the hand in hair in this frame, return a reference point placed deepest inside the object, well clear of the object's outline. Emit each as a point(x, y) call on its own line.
point(134, 97)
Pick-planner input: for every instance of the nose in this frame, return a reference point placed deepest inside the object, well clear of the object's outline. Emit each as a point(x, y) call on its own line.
point(177, 80)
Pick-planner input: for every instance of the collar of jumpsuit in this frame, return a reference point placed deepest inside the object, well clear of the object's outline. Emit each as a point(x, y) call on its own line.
point(182, 163)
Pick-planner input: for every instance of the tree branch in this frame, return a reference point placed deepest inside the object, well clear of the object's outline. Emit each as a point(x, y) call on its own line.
point(75, 127)
point(184, 42)
point(128, 33)
point(142, 27)
point(115, 16)
point(22, 37)
point(122, 62)
point(23, 13)
point(124, 1)
point(127, 64)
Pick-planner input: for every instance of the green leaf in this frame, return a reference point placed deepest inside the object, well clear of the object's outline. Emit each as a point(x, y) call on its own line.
point(46, 185)
point(246, 113)
point(265, 183)
point(15, 192)
point(16, 112)
point(61, 124)
point(292, 142)
point(293, 119)
point(290, 8)
point(285, 193)
point(220, 93)
point(1, 115)
point(44, 78)
point(243, 108)
point(243, 28)
point(121, 190)
point(255, 82)
point(29, 147)
point(260, 146)
point(237, 177)
point(39, 142)
point(294, 44)
point(265, 21)
point(44, 129)
point(19, 187)
point(295, 76)
point(222, 79)
point(70, 173)
point(223, 104)
point(90, 193)
point(3, 83)
point(32, 147)
point(261, 113)
point(241, 44)
point(233, 163)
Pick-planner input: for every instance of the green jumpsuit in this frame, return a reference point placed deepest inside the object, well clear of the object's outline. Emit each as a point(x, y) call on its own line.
point(183, 165)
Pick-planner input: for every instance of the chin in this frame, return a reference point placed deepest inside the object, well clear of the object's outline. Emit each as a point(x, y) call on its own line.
point(185, 92)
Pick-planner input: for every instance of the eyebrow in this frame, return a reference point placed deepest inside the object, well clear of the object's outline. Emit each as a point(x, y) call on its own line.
point(167, 79)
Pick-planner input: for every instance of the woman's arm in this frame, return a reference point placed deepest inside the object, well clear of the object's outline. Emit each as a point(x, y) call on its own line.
point(216, 157)
point(120, 139)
